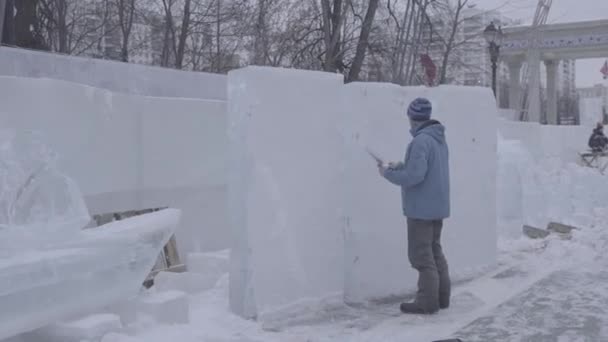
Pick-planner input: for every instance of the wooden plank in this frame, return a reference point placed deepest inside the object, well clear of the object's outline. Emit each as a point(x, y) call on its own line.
point(535, 233)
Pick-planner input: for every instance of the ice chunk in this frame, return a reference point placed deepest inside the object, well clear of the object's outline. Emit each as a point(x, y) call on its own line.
point(376, 264)
point(213, 264)
point(92, 328)
point(168, 307)
point(283, 188)
point(57, 281)
point(187, 282)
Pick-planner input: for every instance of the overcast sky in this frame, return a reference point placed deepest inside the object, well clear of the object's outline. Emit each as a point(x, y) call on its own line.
point(587, 71)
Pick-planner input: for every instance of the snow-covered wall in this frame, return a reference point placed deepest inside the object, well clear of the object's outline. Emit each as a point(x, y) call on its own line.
point(110, 75)
point(377, 265)
point(131, 152)
point(312, 218)
point(546, 141)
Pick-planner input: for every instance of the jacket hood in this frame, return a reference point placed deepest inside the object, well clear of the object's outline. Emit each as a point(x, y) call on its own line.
point(432, 128)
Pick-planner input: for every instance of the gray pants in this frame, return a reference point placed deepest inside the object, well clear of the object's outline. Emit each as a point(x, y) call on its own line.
point(426, 256)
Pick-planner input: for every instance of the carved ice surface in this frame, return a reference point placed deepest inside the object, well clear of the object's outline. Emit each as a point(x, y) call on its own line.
point(51, 269)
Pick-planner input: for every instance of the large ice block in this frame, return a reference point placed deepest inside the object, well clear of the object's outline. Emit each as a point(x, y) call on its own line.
point(62, 279)
point(376, 264)
point(121, 150)
point(284, 192)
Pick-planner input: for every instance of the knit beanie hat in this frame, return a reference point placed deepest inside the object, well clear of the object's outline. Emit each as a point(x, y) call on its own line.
point(420, 110)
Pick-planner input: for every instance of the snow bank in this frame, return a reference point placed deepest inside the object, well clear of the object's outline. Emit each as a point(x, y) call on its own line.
point(284, 188)
point(304, 193)
point(131, 152)
point(537, 190)
point(111, 75)
point(376, 241)
point(545, 141)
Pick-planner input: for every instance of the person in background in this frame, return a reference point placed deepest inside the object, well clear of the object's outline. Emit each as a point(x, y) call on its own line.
point(598, 142)
point(424, 178)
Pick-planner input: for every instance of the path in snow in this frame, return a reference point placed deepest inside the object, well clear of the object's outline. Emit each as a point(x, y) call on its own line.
point(569, 305)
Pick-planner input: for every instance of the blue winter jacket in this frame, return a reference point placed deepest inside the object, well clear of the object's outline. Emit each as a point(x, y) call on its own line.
point(424, 177)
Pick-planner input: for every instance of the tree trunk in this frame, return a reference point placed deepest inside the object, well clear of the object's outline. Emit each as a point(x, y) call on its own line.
point(25, 19)
point(363, 43)
point(62, 29)
point(260, 43)
point(218, 57)
point(126, 12)
point(449, 46)
point(2, 15)
point(332, 28)
point(167, 35)
point(407, 44)
point(181, 47)
point(8, 34)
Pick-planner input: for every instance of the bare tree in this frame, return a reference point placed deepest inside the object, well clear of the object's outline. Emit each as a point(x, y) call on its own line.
point(456, 21)
point(363, 43)
point(2, 15)
point(71, 26)
point(333, 18)
point(27, 25)
point(260, 47)
point(126, 12)
point(7, 34)
point(184, 31)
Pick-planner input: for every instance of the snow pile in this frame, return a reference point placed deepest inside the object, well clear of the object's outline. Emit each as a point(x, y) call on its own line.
point(543, 190)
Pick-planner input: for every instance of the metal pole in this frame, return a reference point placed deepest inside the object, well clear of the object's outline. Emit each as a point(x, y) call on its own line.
point(494, 67)
point(494, 50)
point(2, 14)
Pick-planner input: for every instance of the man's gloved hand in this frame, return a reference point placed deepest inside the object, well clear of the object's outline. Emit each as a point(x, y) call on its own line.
point(395, 165)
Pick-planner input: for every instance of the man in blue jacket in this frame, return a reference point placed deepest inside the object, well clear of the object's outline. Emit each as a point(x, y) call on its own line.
point(424, 178)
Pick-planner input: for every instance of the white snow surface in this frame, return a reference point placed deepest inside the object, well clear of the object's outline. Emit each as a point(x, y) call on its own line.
point(522, 264)
point(535, 184)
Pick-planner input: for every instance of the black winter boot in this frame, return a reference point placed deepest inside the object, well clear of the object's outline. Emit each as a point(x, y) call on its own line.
point(413, 308)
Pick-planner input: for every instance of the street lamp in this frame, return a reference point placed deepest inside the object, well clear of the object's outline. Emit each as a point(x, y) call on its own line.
point(494, 37)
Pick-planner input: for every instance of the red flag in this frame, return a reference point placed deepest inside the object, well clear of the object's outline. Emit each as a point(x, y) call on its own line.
point(604, 70)
point(429, 68)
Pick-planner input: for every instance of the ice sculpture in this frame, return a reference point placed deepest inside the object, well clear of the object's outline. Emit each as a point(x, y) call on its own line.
point(51, 269)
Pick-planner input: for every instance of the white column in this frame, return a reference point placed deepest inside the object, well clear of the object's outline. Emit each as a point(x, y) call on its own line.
point(514, 84)
point(551, 66)
point(533, 104)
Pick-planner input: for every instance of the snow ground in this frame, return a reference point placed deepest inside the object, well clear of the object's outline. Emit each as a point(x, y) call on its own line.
point(557, 298)
point(543, 290)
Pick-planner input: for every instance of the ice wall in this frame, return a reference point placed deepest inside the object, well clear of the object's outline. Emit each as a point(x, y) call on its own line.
point(376, 245)
point(111, 75)
point(129, 152)
point(285, 174)
point(311, 217)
